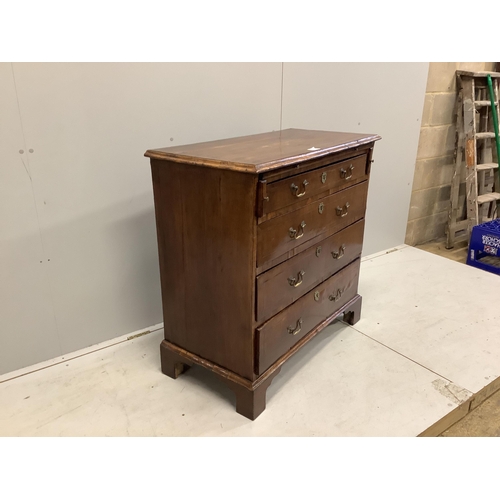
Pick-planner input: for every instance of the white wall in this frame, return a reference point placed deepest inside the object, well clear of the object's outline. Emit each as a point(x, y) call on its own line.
point(27, 325)
point(89, 126)
point(78, 250)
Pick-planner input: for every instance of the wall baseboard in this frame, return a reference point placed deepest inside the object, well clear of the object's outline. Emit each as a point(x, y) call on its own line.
point(77, 354)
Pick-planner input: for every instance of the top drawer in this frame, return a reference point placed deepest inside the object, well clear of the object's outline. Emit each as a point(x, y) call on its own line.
point(298, 187)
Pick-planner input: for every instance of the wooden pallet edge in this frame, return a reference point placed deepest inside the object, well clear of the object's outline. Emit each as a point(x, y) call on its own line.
point(462, 410)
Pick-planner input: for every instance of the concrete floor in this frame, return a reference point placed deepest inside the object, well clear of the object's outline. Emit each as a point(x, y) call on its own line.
point(413, 365)
point(484, 421)
point(458, 253)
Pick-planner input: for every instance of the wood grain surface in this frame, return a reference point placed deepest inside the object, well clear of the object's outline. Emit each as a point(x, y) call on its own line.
point(323, 217)
point(263, 152)
point(276, 288)
point(206, 232)
point(275, 337)
point(292, 190)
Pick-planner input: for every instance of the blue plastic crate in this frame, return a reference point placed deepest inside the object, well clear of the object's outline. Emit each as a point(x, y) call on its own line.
point(484, 247)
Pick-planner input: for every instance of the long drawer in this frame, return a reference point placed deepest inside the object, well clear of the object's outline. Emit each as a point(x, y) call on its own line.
point(285, 329)
point(277, 236)
point(285, 283)
point(299, 187)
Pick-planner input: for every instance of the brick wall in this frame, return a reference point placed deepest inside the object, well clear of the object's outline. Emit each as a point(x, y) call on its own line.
point(434, 166)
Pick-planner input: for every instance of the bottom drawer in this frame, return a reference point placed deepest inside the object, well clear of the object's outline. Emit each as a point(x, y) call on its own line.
point(283, 331)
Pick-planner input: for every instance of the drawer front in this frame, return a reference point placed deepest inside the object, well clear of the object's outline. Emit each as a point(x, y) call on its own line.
point(284, 284)
point(277, 236)
point(284, 330)
point(300, 187)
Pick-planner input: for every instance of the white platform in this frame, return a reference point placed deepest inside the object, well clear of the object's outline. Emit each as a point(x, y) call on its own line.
point(427, 345)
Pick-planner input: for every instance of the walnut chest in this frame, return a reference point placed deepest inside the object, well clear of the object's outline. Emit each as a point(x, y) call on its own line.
point(259, 242)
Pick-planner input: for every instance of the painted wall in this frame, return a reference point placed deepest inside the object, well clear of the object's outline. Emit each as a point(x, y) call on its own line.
point(79, 263)
point(382, 98)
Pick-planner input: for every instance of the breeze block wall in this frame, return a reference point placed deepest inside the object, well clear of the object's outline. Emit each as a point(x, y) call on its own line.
point(434, 165)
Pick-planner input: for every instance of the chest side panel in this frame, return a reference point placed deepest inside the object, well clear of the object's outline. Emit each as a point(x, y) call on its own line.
point(206, 238)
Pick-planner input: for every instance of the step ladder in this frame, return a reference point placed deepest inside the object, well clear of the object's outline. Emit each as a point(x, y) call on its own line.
point(475, 156)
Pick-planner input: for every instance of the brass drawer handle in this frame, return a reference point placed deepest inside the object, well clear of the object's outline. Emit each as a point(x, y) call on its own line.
point(340, 253)
point(294, 331)
point(343, 211)
point(336, 296)
point(344, 174)
point(294, 234)
point(295, 282)
point(295, 189)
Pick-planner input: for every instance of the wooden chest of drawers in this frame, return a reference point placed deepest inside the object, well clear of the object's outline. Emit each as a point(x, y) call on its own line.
point(259, 242)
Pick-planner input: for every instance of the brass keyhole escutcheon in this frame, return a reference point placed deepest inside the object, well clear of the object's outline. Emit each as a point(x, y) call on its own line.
point(318, 251)
point(321, 208)
point(316, 296)
point(323, 177)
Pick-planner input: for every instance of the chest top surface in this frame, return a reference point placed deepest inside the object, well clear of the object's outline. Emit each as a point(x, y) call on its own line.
point(263, 152)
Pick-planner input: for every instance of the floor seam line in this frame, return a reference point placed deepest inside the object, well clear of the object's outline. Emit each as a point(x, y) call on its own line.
point(409, 359)
point(388, 251)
